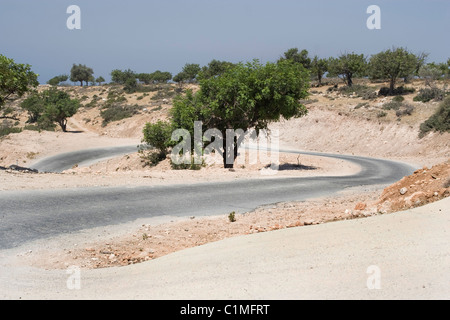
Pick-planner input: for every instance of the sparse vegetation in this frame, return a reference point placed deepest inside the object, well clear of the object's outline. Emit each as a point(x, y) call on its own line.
point(6, 129)
point(428, 94)
point(116, 112)
point(440, 121)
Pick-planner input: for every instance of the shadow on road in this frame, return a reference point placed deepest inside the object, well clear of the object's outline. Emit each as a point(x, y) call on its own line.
point(291, 166)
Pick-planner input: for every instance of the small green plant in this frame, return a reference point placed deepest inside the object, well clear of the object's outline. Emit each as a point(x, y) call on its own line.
point(144, 236)
point(232, 217)
point(398, 99)
point(393, 105)
point(381, 114)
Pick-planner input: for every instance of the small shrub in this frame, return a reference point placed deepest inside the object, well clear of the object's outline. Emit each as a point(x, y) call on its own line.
point(407, 110)
point(361, 91)
point(232, 217)
point(440, 121)
point(398, 99)
point(428, 94)
point(4, 131)
point(152, 158)
point(385, 91)
point(393, 105)
point(381, 114)
point(117, 112)
point(187, 166)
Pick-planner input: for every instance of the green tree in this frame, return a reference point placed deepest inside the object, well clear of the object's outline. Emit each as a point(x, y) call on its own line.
point(158, 136)
point(161, 77)
point(181, 77)
point(81, 73)
point(215, 68)
point(34, 105)
point(100, 80)
point(191, 71)
point(146, 78)
point(391, 65)
point(247, 96)
point(347, 66)
point(301, 57)
point(432, 72)
point(126, 78)
point(318, 68)
point(15, 79)
point(58, 106)
point(57, 80)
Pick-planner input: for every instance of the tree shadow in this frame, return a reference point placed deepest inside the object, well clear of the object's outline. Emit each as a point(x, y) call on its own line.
point(291, 166)
point(74, 131)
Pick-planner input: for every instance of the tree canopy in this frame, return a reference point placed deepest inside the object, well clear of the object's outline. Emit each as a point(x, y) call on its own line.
point(392, 64)
point(246, 96)
point(50, 106)
point(301, 57)
point(15, 79)
point(81, 73)
point(347, 66)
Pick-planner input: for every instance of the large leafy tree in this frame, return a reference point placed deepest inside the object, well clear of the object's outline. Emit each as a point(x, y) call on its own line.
point(58, 106)
point(81, 73)
point(247, 96)
point(50, 106)
point(15, 79)
point(392, 64)
point(347, 66)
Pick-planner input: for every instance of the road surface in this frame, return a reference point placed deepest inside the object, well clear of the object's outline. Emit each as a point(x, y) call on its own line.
point(37, 214)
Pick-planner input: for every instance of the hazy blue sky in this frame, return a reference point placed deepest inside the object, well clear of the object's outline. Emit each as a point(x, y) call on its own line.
point(146, 35)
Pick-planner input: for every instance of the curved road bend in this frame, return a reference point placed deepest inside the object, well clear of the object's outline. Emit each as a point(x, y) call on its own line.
point(37, 214)
point(65, 161)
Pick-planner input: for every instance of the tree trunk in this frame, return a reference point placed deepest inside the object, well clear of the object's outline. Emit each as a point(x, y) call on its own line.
point(231, 153)
point(392, 86)
point(63, 124)
point(349, 80)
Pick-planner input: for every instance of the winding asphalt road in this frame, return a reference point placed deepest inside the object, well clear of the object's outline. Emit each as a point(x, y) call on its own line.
point(31, 215)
